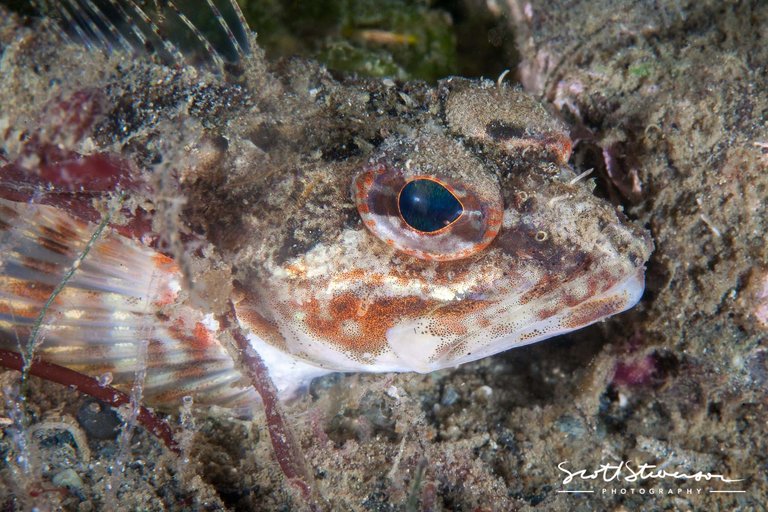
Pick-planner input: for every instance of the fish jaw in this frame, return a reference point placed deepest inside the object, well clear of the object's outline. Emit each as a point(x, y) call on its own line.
point(583, 269)
point(421, 336)
point(424, 348)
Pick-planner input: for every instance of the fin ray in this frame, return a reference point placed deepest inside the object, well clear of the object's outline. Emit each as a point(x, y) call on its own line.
point(122, 296)
point(207, 32)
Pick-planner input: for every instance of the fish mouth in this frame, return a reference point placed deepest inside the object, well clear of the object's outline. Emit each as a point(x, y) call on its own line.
point(422, 346)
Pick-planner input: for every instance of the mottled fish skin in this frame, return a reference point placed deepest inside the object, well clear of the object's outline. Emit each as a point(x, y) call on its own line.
point(562, 259)
point(273, 187)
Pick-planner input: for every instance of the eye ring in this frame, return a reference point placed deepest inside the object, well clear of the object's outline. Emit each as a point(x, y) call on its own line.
point(376, 190)
point(416, 179)
point(461, 208)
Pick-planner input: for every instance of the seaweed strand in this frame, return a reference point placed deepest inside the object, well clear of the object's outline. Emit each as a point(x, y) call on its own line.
point(91, 387)
point(287, 450)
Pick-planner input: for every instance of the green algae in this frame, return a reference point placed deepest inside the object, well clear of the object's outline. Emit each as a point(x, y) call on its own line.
point(404, 39)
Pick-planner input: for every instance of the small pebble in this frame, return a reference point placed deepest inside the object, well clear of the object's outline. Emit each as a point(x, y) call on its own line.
point(450, 395)
point(69, 479)
point(484, 392)
point(98, 420)
point(571, 426)
point(623, 400)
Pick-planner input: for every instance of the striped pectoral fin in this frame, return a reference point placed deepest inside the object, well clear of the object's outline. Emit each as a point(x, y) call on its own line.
point(117, 313)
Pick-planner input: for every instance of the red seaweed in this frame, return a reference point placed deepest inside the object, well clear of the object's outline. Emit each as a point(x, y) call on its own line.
point(287, 450)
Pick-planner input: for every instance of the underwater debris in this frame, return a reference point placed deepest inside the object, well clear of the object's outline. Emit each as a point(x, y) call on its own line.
point(397, 39)
point(755, 296)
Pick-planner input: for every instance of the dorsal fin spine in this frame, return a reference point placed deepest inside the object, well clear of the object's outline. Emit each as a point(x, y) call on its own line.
point(172, 28)
point(199, 35)
point(125, 45)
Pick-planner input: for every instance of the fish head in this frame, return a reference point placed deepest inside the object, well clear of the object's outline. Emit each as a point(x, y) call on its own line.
point(448, 240)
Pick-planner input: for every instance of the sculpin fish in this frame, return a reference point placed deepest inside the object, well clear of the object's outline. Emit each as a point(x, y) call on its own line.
point(353, 224)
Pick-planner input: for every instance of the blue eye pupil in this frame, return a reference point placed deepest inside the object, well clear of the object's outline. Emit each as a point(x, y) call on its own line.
point(427, 206)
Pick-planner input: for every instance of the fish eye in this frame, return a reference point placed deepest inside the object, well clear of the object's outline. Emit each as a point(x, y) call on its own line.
point(428, 206)
point(429, 212)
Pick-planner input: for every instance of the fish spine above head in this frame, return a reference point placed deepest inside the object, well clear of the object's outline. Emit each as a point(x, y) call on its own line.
point(357, 225)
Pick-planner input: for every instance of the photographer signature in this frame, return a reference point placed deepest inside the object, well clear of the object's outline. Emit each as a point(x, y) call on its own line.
point(625, 471)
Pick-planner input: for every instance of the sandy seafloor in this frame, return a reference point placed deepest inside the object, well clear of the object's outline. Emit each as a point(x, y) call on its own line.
point(678, 92)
